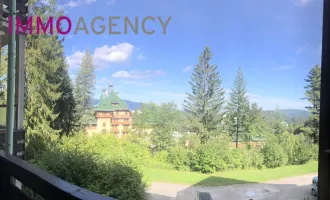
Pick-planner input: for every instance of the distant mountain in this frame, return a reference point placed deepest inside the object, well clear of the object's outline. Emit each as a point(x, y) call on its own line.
point(289, 114)
point(131, 104)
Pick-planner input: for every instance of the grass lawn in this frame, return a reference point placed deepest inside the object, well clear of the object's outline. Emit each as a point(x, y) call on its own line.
point(227, 178)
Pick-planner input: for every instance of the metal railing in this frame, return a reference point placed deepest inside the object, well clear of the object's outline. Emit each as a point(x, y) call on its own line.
point(45, 185)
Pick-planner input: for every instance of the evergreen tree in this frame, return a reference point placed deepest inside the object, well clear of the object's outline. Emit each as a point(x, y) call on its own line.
point(238, 109)
point(278, 122)
point(258, 127)
point(207, 99)
point(312, 94)
point(65, 105)
point(42, 92)
point(84, 91)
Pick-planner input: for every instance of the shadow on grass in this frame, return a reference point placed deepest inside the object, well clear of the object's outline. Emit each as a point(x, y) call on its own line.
point(234, 190)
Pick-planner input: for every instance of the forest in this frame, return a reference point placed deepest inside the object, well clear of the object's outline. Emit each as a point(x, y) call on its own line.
point(57, 112)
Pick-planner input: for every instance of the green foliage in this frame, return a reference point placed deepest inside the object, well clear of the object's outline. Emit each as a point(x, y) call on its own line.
point(162, 156)
point(84, 91)
point(315, 152)
point(157, 123)
point(312, 94)
point(84, 169)
point(299, 151)
point(102, 164)
point(43, 58)
point(65, 105)
point(211, 156)
point(274, 155)
point(258, 128)
point(3, 75)
point(238, 109)
point(277, 122)
point(179, 157)
point(207, 99)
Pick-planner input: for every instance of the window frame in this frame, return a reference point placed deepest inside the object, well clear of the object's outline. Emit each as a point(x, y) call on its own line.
point(324, 141)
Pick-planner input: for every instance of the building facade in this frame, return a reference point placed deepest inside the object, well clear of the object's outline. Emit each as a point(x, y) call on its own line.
point(111, 115)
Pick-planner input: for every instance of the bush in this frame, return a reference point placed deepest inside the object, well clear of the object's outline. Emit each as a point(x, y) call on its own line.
point(274, 155)
point(179, 157)
point(234, 159)
point(257, 159)
point(252, 158)
point(298, 149)
point(78, 161)
point(162, 156)
point(212, 156)
point(315, 152)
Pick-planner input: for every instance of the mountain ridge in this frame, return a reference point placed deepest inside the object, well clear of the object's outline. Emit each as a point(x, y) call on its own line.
point(287, 114)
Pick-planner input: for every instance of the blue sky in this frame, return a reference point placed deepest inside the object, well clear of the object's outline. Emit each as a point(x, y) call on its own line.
point(276, 43)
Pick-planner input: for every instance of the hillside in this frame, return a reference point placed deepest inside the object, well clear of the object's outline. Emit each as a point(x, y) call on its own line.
point(289, 114)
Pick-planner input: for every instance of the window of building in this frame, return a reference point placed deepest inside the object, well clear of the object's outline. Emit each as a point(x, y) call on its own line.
point(104, 124)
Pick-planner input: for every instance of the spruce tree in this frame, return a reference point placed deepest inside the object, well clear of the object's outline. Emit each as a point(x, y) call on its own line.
point(65, 105)
point(84, 91)
point(278, 122)
point(238, 109)
point(312, 94)
point(207, 99)
point(43, 60)
point(258, 127)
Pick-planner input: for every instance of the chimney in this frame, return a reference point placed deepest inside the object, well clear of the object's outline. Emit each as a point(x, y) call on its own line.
point(110, 86)
point(104, 92)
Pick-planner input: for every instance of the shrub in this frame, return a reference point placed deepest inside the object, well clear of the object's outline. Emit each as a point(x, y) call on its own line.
point(298, 149)
point(234, 159)
point(315, 152)
point(257, 159)
point(274, 155)
point(162, 156)
point(212, 156)
point(179, 157)
point(87, 170)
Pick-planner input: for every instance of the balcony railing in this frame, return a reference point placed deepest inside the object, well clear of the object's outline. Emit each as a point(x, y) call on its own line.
point(122, 116)
point(47, 186)
point(121, 123)
point(19, 142)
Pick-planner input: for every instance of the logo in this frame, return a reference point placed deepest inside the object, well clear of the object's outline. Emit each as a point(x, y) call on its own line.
point(98, 25)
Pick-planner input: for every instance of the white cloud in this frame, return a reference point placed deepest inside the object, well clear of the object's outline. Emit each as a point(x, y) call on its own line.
point(129, 82)
point(114, 54)
point(141, 57)
point(111, 2)
point(188, 68)
point(170, 94)
point(283, 67)
point(75, 59)
point(303, 2)
point(138, 74)
point(104, 56)
point(76, 3)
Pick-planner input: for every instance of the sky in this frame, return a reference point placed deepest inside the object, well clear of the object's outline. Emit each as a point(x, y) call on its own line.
point(275, 43)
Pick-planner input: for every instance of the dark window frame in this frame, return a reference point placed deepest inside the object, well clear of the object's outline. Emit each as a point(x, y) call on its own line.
point(324, 157)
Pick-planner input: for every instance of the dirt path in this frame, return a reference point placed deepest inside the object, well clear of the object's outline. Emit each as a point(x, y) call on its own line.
point(294, 188)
